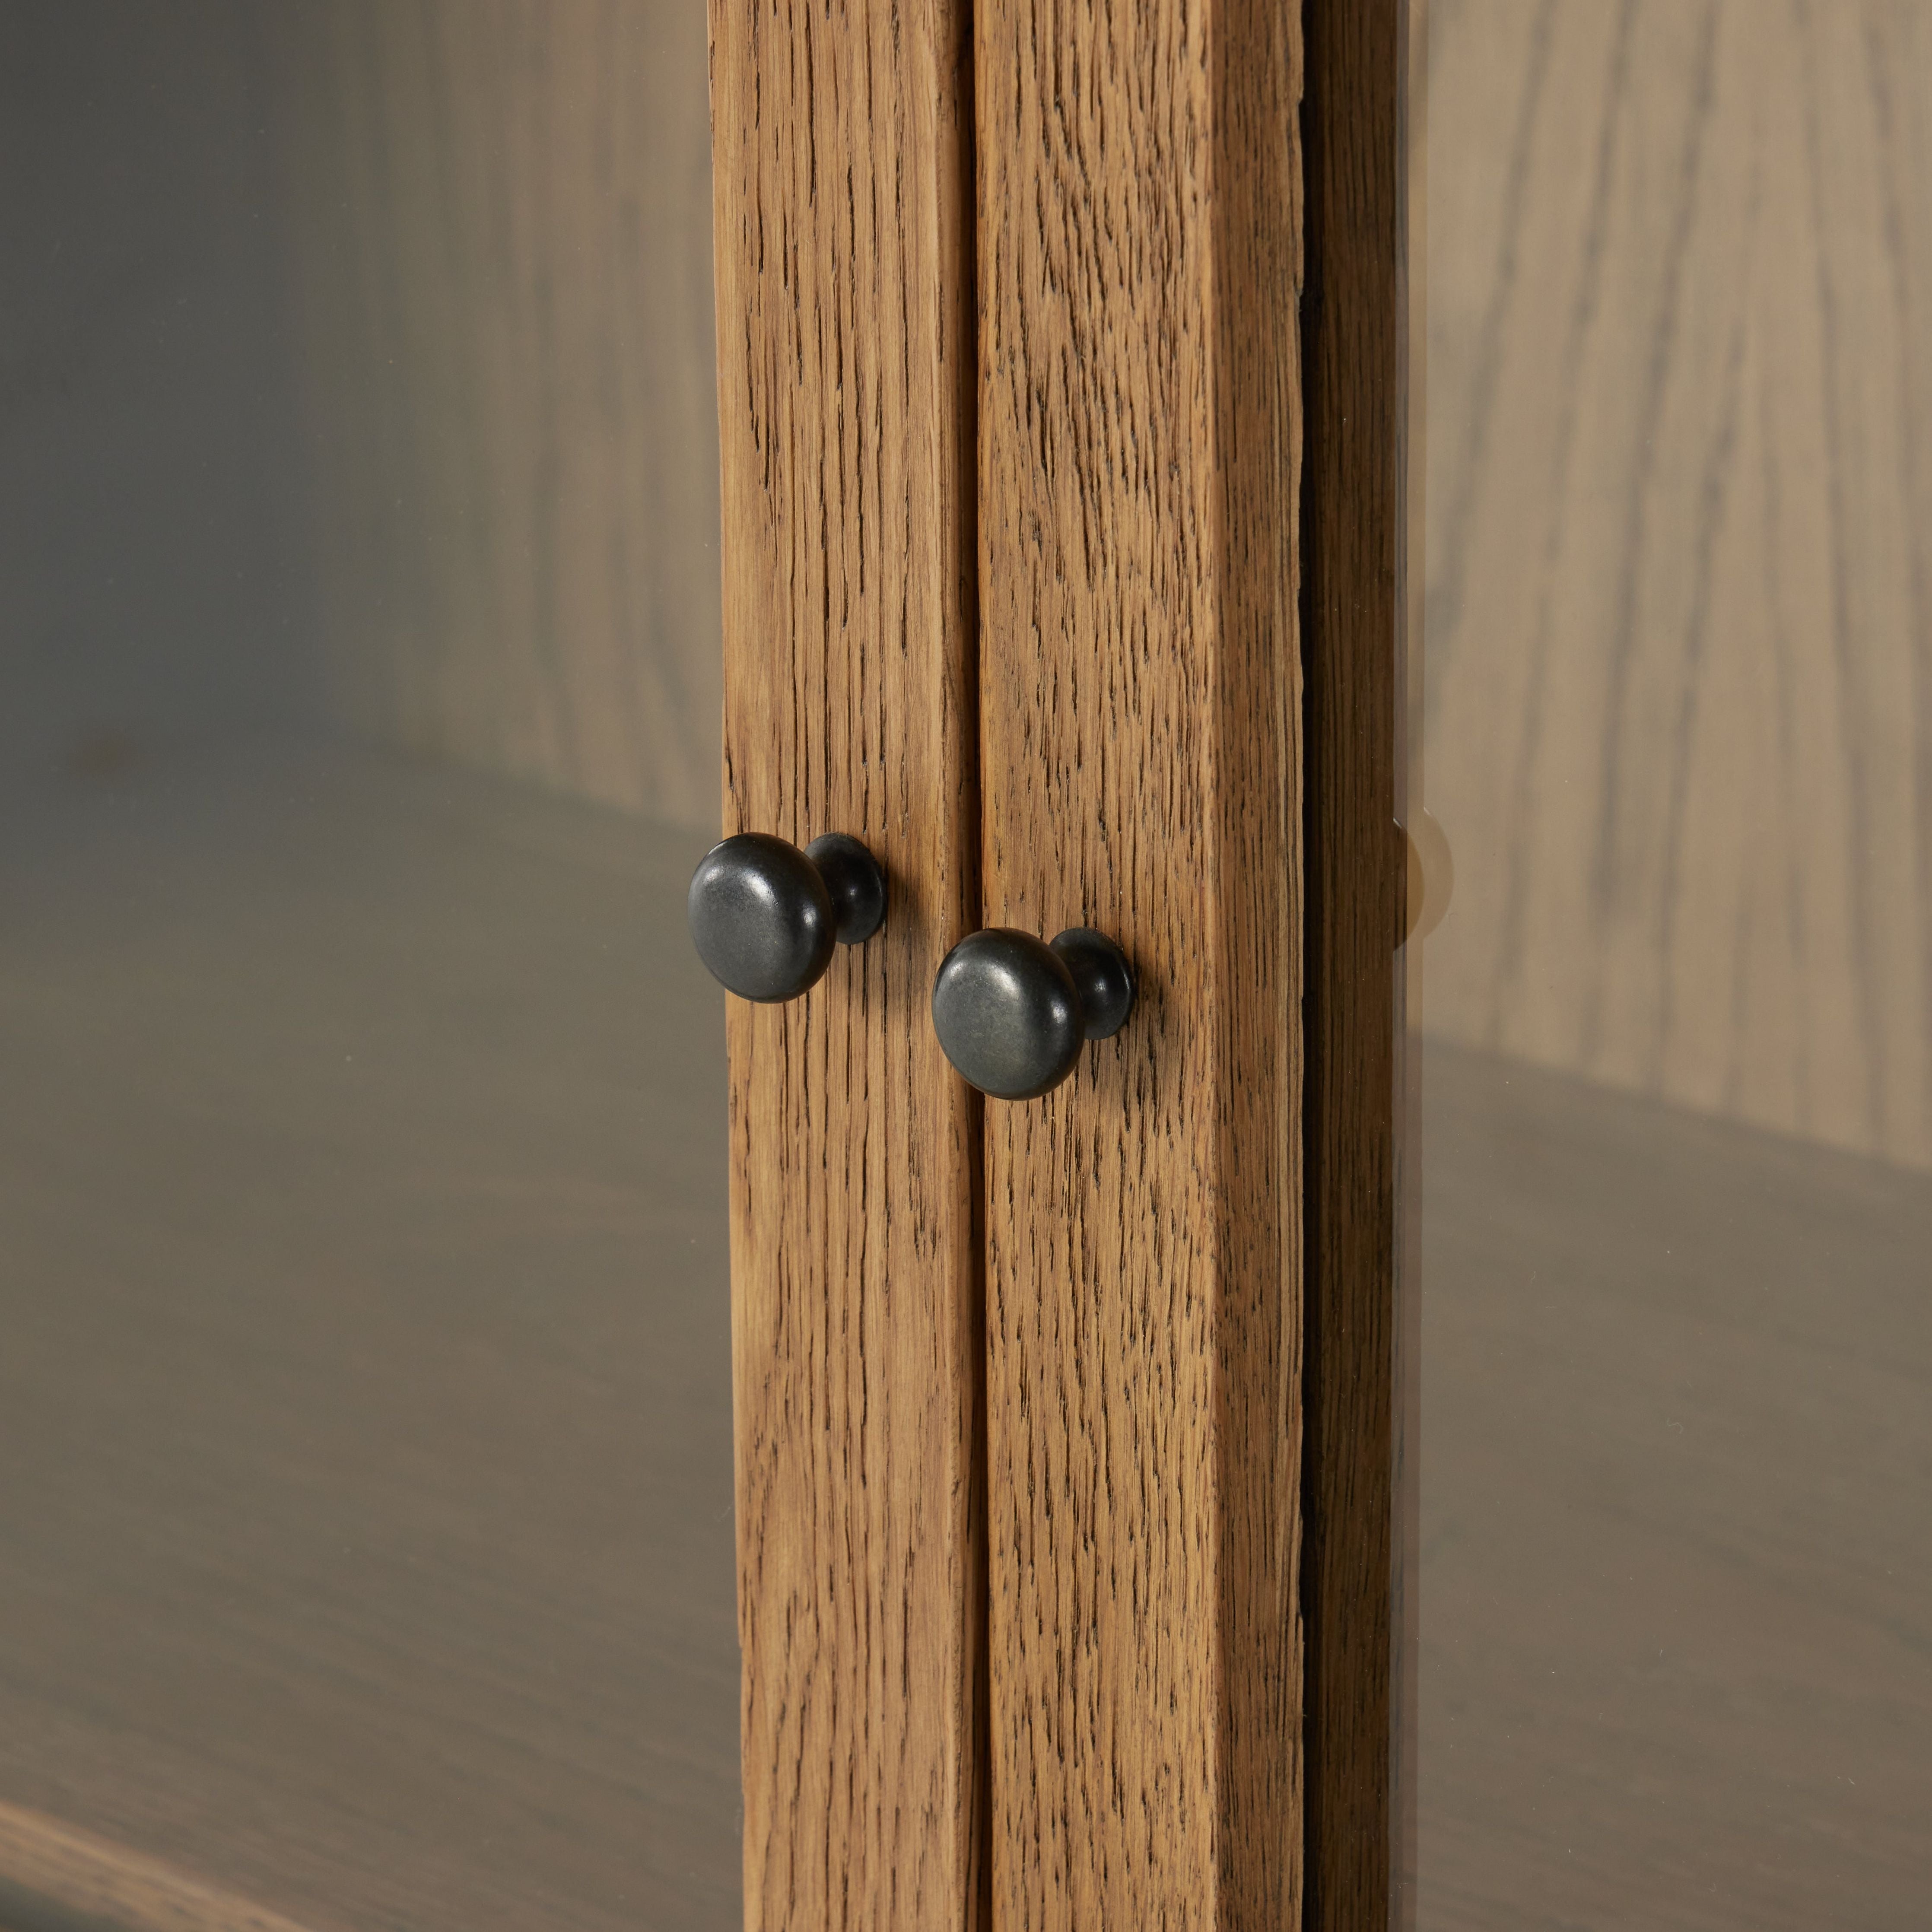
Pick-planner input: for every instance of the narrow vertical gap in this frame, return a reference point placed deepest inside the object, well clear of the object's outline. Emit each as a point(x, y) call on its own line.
point(972, 851)
point(1314, 917)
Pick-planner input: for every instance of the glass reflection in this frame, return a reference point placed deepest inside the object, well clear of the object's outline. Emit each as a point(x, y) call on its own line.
point(1675, 1661)
point(365, 1534)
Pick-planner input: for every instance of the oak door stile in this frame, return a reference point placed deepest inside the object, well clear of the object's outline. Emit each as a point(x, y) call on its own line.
point(841, 139)
point(1139, 230)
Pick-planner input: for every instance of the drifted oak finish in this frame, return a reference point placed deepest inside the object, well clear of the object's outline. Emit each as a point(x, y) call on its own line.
point(840, 138)
point(1138, 234)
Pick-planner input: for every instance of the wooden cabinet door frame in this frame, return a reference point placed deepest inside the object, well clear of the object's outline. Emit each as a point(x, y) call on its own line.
point(1359, 1419)
point(1060, 380)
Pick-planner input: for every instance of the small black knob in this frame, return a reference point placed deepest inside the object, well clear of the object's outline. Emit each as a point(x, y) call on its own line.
point(765, 916)
point(1012, 1011)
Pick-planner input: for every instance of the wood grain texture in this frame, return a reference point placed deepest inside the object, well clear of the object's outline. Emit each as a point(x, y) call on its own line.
point(1353, 337)
point(844, 301)
point(496, 226)
point(52, 1875)
point(1139, 230)
point(1680, 559)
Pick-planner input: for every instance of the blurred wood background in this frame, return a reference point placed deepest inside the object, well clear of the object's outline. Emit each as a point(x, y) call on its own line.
point(498, 218)
point(1679, 549)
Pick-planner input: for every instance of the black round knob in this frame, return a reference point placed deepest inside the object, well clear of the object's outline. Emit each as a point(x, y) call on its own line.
point(766, 915)
point(1012, 1011)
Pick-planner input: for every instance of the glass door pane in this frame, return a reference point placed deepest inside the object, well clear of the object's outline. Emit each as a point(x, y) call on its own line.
point(1676, 1557)
point(365, 1528)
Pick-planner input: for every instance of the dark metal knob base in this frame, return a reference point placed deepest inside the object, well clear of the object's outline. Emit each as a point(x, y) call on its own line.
point(765, 917)
point(1012, 1013)
point(1101, 978)
point(854, 882)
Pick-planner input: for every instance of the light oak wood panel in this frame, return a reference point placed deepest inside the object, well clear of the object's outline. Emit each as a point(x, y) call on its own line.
point(1680, 551)
point(844, 300)
point(1140, 225)
point(496, 222)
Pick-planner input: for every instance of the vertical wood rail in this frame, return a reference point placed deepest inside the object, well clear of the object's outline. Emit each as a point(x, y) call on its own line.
point(1355, 327)
point(842, 148)
point(1139, 417)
